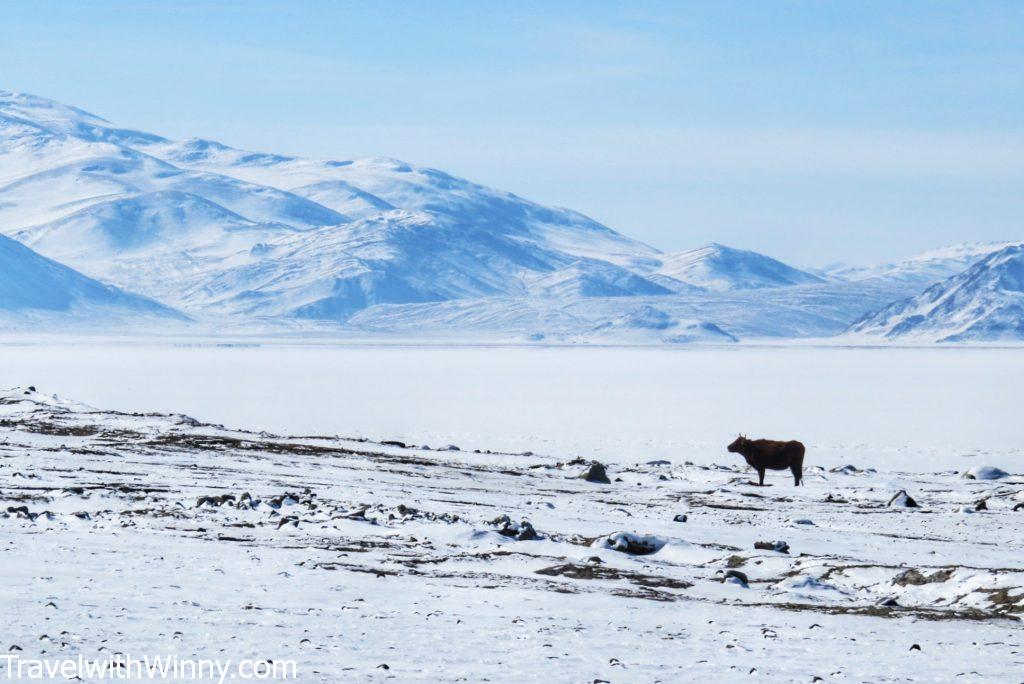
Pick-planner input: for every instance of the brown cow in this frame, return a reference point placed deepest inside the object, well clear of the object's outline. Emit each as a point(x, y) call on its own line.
point(768, 454)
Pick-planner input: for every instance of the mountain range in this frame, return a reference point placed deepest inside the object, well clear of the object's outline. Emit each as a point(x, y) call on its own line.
point(198, 230)
point(984, 302)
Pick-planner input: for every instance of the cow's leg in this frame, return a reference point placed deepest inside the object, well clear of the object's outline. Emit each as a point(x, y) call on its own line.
point(798, 473)
point(760, 477)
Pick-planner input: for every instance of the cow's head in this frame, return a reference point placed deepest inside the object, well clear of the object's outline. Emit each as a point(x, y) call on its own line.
point(738, 444)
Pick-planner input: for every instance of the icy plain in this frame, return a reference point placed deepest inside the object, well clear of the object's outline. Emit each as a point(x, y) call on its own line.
point(158, 533)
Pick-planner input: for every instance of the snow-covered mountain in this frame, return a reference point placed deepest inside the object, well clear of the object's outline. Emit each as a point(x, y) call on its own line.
point(34, 287)
point(925, 268)
point(158, 243)
point(985, 302)
point(717, 267)
point(380, 245)
point(216, 230)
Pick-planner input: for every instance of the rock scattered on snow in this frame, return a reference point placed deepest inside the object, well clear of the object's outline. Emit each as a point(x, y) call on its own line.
point(778, 546)
point(914, 577)
point(985, 473)
point(736, 577)
point(214, 500)
point(681, 517)
point(520, 531)
point(596, 473)
point(635, 544)
point(902, 500)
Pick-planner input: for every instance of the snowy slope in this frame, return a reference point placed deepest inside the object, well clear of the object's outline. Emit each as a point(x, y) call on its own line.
point(400, 257)
point(925, 268)
point(32, 286)
point(985, 302)
point(360, 186)
point(646, 323)
point(717, 267)
point(819, 310)
point(155, 243)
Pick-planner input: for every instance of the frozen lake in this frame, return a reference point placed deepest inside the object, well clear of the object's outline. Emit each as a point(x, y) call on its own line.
point(932, 408)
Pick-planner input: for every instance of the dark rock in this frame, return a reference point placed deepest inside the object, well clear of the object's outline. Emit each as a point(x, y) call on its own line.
point(597, 572)
point(288, 520)
point(1018, 507)
point(520, 531)
point(634, 544)
point(735, 562)
point(596, 473)
point(777, 546)
point(406, 511)
point(913, 577)
point(286, 499)
point(741, 576)
point(889, 602)
point(246, 502)
point(902, 500)
point(681, 517)
point(215, 500)
point(915, 647)
point(394, 443)
point(981, 505)
point(526, 531)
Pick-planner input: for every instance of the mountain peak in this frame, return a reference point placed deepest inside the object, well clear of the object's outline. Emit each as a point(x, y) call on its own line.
point(984, 302)
point(42, 110)
point(719, 267)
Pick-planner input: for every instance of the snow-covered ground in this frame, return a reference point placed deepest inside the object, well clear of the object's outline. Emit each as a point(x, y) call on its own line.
point(363, 561)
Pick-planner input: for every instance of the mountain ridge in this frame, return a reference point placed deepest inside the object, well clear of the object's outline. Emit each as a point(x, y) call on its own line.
point(32, 285)
point(984, 302)
point(232, 235)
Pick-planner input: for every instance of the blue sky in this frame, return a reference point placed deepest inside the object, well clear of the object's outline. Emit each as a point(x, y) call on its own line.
point(813, 131)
